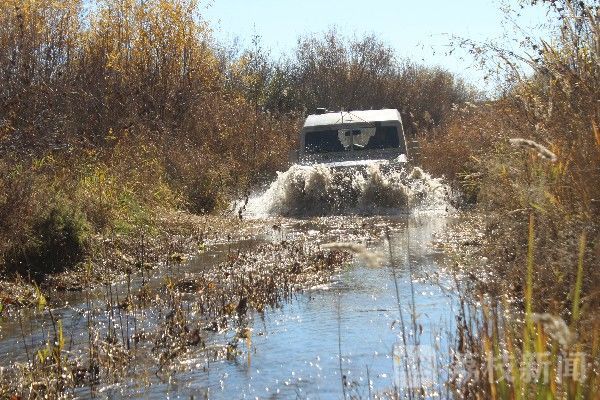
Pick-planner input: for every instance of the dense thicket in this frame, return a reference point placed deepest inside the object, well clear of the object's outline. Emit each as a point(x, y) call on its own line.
point(364, 73)
point(340, 73)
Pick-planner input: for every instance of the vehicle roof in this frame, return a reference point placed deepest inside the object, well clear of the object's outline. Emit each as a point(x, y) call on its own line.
point(349, 117)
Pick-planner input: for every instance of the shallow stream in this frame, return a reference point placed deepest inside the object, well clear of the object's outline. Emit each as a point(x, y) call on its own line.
point(340, 339)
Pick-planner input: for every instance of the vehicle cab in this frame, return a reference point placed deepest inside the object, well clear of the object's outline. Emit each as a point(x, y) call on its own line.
point(348, 138)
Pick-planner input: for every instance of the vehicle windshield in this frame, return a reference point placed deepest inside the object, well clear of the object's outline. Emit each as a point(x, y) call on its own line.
point(351, 139)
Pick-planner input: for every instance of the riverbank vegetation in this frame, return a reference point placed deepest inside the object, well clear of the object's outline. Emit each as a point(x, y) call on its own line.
point(531, 161)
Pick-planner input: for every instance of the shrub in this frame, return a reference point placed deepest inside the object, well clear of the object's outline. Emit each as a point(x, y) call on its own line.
point(57, 241)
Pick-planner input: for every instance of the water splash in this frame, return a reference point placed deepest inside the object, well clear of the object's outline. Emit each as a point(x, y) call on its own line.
point(375, 188)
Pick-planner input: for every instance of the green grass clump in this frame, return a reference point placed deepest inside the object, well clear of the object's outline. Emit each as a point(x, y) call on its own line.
point(57, 241)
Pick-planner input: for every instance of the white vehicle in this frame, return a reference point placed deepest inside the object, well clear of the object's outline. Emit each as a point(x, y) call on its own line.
point(352, 138)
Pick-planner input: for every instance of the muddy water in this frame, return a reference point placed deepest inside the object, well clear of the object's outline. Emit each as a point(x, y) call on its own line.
point(329, 341)
point(374, 189)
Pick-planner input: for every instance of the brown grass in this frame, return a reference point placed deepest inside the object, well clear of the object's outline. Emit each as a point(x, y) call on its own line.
point(552, 177)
